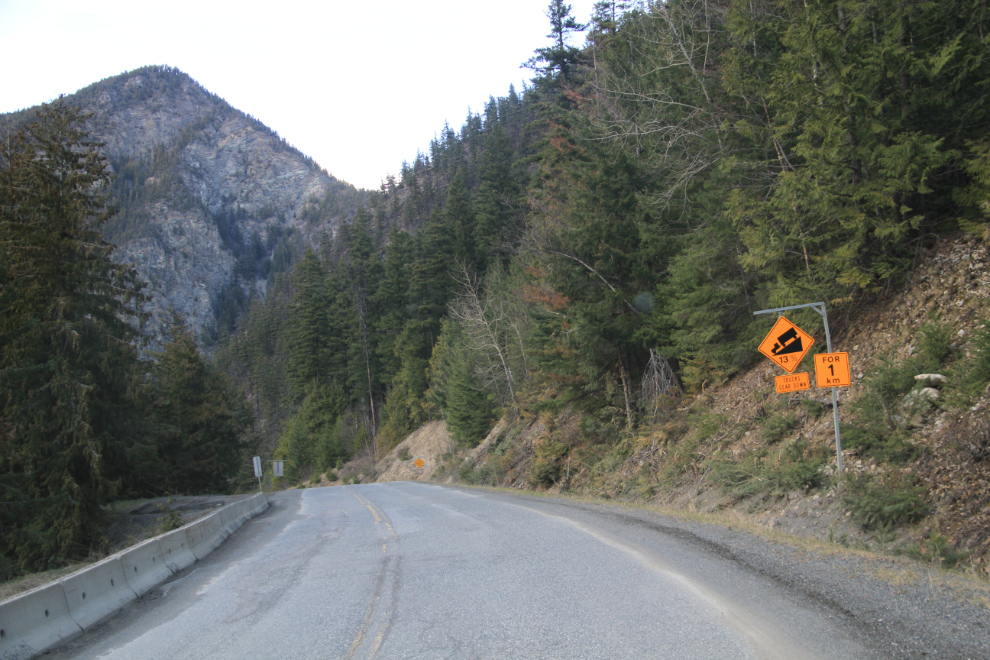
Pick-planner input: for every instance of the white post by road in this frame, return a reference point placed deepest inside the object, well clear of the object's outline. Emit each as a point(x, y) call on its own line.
point(257, 471)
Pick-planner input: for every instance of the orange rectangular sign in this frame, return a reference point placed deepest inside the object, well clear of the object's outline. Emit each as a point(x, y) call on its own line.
point(832, 370)
point(793, 382)
point(786, 344)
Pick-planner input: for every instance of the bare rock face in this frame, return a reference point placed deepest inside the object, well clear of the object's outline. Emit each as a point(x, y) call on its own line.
point(184, 264)
point(209, 199)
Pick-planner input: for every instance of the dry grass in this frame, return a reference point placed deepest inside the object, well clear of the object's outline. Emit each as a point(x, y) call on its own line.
point(35, 580)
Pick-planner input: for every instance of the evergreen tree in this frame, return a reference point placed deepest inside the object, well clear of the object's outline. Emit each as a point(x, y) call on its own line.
point(392, 298)
point(498, 204)
point(309, 440)
point(203, 416)
point(310, 325)
point(454, 387)
point(557, 62)
point(67, 356)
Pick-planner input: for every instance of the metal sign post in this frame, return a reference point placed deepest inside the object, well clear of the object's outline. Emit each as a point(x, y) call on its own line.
point(820, 308)
point(276, 469)
point(257, 472)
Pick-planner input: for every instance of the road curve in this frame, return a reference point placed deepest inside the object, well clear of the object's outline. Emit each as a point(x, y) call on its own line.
point(412, 570)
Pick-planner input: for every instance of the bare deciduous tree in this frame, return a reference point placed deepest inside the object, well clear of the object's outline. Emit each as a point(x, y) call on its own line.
point(495, 328)
point(659, 382)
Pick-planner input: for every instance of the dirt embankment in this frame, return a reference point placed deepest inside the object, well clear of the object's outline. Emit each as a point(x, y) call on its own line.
point(417, 457)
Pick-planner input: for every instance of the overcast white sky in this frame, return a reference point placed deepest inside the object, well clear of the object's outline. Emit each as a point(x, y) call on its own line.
point(358, 87)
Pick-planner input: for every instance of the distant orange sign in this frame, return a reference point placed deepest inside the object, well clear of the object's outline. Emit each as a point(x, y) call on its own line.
point(786, 344)
point(419, 463)
point(793, 383)
point(832, 370)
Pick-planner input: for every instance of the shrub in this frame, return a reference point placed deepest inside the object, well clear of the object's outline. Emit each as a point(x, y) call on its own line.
point(812, 408)
point(707, 424)
point(977, 376)
point(935, 342)
point(404, 454)
point(171, 520)
point(545, 469)
point(466, 472)
point(777, 427)
point(797, 468)
point(876, 503)
point(879, 429)
point(936, 549)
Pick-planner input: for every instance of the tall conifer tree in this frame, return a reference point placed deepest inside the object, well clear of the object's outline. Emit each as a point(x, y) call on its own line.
point(67, 355)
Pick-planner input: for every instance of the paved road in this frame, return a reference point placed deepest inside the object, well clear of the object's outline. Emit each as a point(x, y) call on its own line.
point(411, 570)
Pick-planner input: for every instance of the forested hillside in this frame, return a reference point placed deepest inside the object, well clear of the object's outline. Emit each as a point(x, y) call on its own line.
point(693, 163)
point(589, 247)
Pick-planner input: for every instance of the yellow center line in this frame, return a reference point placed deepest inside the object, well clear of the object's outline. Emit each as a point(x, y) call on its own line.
point(378, 643)
point(373, 513)
point(365, 625)
point(377, 513)
point(369, 617)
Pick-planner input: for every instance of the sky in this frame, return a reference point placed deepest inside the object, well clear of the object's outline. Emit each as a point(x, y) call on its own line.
point(359, 87)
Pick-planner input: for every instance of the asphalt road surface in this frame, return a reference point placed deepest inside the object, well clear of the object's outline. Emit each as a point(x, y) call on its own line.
point(412, 570)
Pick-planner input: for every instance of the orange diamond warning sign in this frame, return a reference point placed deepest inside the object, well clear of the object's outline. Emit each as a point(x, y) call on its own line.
point(786, 344)
point(832, 370)
point(420, 463)
point(793, 383)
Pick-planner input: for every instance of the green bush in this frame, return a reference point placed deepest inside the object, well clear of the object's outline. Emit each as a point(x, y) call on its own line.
point(777, 427)
point(935, 342)
point(977, 376)
point(876, 503)
point(936, 549)
point(466, 472)
point(404, 454)
point(812, 408)
point(797, 468)
point(597, 431)
point(171, 520)
point(546, 468)
point(879, 423)
point(706, 425)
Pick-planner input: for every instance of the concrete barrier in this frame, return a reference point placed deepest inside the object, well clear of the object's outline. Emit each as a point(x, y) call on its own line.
point(175, 548)
point(145, 566)
point(233, 516)
point(257, 503)
point(206, 534)
point(96, 592)
point(34, 622)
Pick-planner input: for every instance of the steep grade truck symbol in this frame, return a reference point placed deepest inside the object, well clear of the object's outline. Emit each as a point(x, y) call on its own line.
point(789, 342)
point(786, 344)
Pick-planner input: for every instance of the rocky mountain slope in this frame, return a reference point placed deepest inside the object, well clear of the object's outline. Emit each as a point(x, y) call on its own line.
point(212, 202)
